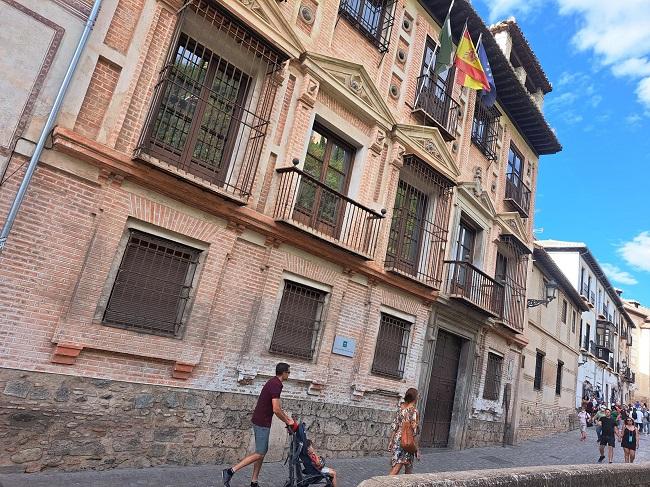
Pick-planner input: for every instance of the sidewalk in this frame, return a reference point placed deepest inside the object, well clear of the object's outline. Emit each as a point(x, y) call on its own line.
point(562, 449)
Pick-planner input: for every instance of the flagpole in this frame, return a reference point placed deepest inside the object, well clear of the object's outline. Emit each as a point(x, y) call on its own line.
point(461, 39)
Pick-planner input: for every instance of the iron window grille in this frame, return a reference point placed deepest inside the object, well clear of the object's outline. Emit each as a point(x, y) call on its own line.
point(558, 378)
point(513, 275)
point(373, 18)
point(539, 370)
point(299, 321)
point(153, 285)
point(485, 129)
point(564, 311)
point(392, 347)
point(209, 117)
point(517, 192)
point(493, 373)
point(418, 232)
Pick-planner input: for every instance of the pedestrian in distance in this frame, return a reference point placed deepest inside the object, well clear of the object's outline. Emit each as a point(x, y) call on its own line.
point(646, 419)
point(637, 416)
point(599, 414)
point(583, 417)
point(629, 437)
point(268, 404)
point(403, 441)
point(608, 434)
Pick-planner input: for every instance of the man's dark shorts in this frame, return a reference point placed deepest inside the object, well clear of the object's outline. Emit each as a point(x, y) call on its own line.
point(607, 440)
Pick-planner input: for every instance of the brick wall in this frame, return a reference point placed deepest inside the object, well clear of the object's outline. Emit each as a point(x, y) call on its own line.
point(125, 19)
point(98, 96)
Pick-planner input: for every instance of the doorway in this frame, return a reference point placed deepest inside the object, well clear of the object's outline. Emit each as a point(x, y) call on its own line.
point(442, 391)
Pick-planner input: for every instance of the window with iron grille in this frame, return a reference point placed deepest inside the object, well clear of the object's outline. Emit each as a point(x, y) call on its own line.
point(210, 114)
point(539, 370)
point(299, 320)
point(564, 310)
point(485, 129)
point(558, 378)
point(373, 18)
point(418, 232)
point(492, 386)
point(392, 347)
point(153, 285)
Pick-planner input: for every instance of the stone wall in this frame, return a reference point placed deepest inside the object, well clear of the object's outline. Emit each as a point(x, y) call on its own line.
point(51, 421)
point(630, 475)
point(483, 433)
point(536, 422)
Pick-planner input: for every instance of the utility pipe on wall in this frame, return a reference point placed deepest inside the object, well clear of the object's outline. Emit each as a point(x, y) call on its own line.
point(47, 128)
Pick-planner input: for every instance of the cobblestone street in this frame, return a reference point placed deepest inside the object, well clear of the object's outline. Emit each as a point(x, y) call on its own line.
point(563, 449)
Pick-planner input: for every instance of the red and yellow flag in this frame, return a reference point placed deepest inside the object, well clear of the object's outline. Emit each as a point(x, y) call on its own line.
point(470, 71)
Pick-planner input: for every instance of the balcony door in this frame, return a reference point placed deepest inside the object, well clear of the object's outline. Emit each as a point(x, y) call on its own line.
point(200, 112)
point(462, 277)
point(515, 168)
point(320, 203)
point(432, 90)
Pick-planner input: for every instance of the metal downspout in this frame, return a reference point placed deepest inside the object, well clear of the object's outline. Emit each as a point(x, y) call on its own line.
point(47, 128)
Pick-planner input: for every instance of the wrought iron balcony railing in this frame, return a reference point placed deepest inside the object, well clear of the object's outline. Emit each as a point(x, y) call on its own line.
point(518, 194)
point(611, 361)
point(475, 287)
point(312, 206)
point(433, 100)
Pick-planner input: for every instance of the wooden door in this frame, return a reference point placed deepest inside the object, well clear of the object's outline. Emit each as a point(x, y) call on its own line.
point(442, 390)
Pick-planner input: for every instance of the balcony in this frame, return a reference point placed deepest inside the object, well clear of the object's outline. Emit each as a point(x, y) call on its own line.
point(475, 288)
point(585, 344)
point(485, 129)
point(313, 207)
point(629, 339)
point(517, 194)
point(624, 332)
point(209, 120)
point(434, 103)
point(601, 353)
point(611, 361)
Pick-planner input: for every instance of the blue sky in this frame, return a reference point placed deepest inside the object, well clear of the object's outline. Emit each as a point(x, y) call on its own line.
point(596, 54)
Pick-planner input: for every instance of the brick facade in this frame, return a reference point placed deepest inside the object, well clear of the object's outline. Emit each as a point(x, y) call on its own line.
point(91, 189)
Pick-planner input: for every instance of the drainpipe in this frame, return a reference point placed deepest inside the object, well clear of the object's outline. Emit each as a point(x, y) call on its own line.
point(47, 128)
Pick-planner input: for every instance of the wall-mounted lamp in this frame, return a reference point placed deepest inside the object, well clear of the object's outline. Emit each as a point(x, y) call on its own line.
point(551, 291)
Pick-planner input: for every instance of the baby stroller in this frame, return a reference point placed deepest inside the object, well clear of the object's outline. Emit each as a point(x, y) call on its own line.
point(301, 469)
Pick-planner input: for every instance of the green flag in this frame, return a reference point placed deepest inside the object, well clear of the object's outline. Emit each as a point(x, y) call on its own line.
point(445, 57)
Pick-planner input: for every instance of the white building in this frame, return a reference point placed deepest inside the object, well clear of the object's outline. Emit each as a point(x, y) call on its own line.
point(603, 369)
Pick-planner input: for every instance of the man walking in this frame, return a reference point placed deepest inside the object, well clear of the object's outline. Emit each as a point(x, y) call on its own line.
point(268, 404)
point(608, 434)
point(637, 416)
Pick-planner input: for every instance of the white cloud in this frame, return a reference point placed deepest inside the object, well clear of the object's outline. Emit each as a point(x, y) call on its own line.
point(618, 275)
point(633, 119)
point(500, 9)
point(616, 31)
point(636, 252)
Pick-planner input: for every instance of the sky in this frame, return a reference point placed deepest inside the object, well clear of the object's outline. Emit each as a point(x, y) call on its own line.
point(596, 53)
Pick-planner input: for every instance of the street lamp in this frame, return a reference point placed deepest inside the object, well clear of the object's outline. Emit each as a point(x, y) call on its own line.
point(551, 290)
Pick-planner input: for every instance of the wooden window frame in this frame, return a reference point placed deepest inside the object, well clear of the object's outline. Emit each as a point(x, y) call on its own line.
point(564, 311)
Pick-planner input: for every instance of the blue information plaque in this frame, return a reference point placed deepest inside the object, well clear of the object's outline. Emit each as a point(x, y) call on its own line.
point(344, 346)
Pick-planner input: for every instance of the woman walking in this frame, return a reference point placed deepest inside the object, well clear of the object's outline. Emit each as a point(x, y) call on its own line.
point(406, 418)
point(629, 440)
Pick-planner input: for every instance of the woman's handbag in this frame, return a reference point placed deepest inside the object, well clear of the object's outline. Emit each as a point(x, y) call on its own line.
point(408, 442)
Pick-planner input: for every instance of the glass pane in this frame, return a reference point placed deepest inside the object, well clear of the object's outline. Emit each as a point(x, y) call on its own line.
point(338, 158)
point(328, 208)
point(181, 95)
point(306, 196)
point(313, 166)
point(335, 180)
point(317, 144)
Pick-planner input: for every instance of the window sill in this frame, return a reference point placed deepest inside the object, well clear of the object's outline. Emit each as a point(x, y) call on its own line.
point(145, 158)
point(413, 278)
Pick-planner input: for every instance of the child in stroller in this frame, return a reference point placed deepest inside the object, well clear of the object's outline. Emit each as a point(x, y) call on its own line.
point(306, 467)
